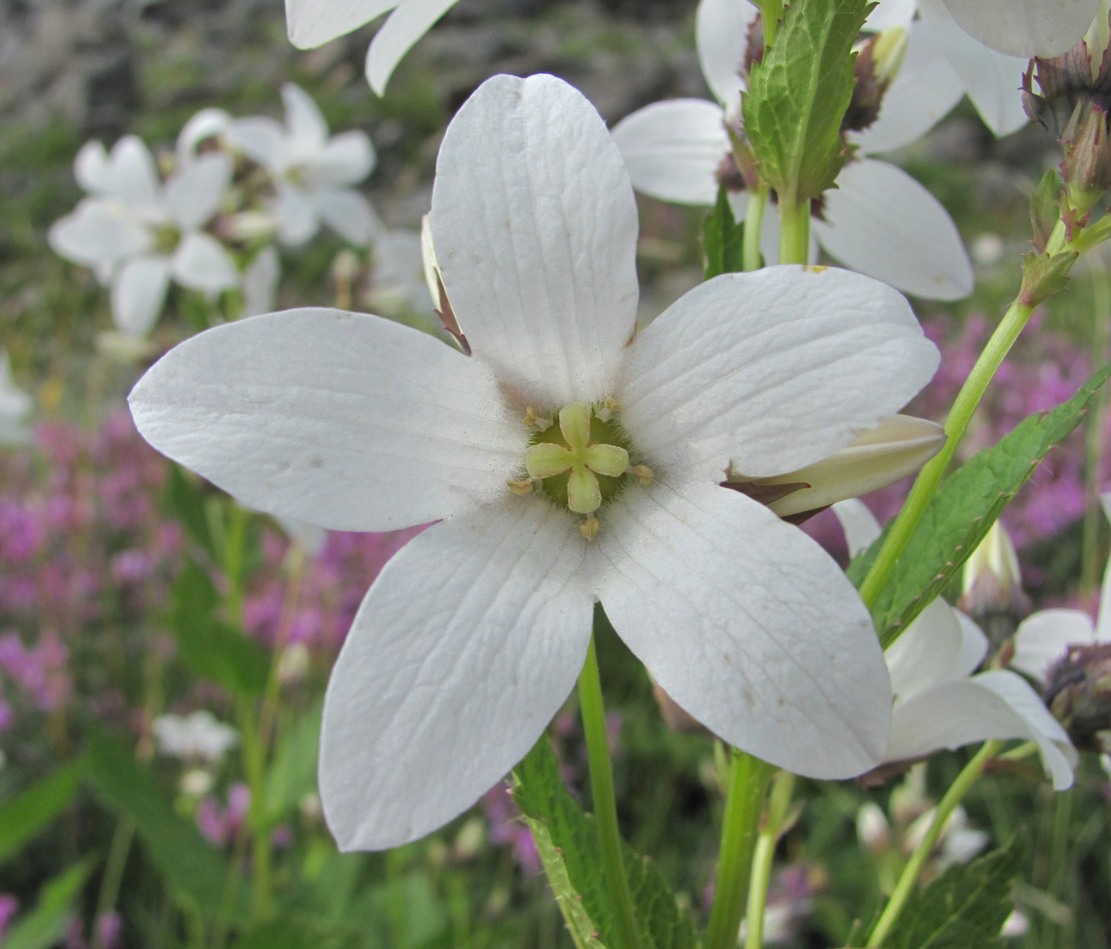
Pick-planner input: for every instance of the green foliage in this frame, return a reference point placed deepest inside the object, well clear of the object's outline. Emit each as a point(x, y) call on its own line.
point(963, 510)
point(567, 842)
point(299, 932)
point(45, 925)
point(965, 906)
point(194, 870)
point(1045, 208)
point(186, 501)
point(210, 647)
point(30, 812)
point(292, 774)
point(1044, 275)
point(798, 94)
point(722, 240)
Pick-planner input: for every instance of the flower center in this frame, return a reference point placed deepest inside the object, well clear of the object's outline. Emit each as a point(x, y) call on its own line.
point(579, 460)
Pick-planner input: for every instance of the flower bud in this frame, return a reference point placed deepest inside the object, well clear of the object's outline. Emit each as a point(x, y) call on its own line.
point(992, 587)
point(1078, 693)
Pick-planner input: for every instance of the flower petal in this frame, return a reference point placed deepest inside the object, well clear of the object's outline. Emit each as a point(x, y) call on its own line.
point(1025, 28)
point(345, 160)
point(298, 214)
point(261, 139)
point(407, 24)
point(135, 179)
point(889, 14)
point(339, 419)
point(881, 222)
point(349, 214)
point(260, 281)
point(1042, 639)
point(777, 654)
point(990, 79)
point(208, 124)
point(537, 257)
point(461, 653)
point(92, 168)
point(859, 524)
point(721, 35)
point(138, 293)
point(201, 263)
point(924, 91)
point(195, 193)
point(99, 234)
point(673, 149)
point(935, 648)
point(307, 128)
point(312, 23)
point(772, 370)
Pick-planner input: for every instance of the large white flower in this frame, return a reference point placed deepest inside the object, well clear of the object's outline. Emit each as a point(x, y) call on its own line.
point(313, 23)
point(1025, 27)
point(137, 233)
point(939, 703)
point(474, 634)
point(312, 171)
point(878, 220)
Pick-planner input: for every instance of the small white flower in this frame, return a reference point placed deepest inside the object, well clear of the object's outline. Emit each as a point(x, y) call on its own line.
point(312, 171)
point(137, 233)
point(15, 406)
point(313, 23)
point(939, 703)
point(198, 736)
point(567, 465)
point(878, 220)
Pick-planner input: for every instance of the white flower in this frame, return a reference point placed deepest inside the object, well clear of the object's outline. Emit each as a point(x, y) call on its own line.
point(15, 406)
point(1043, 638)
point(312, 171)
point(939, 703)
point(198, 736)
point(313, 23)
point(878, 220)
point(136, 233)
point(1025, 28)
point(474, 634)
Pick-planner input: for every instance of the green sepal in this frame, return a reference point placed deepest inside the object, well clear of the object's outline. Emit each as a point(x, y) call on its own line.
point(566, 840)
point(963, 510)
point(1044, 276)
point(1045, 208)
point(798, 94)
point(722, 240)
point(966, 906)
point(210, 647)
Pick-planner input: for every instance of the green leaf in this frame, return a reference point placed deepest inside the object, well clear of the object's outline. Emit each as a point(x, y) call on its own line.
point(300, 932)
point(45, 925)
point(798, 94)
point(567, 842)
point(209, 647)
point(1044, 276)
point(1045, 208)
point(964, 509)
point(292, 774)
point(965, 906)
point(185, 498)
point(25, 815)
point(189, 864)
point(722, 240)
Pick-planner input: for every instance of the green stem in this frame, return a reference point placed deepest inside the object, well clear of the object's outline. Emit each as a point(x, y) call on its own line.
point(909, 877)
point(794, 234)
point(748, 780)
point(783, 789)
point(751, 257)
point(1093, 435)
point(605, 804)
point(113, 870)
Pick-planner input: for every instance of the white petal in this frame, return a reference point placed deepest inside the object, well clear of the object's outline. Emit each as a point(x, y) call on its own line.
point(201, 263)
point(208, 124)
point(298, 214)
point(99, 234)
point(260, 281)
point(771, 370)
point(138, 293)
point(537, 257)
point(859, 524)
point(261, 139)
point(349, 214)
point(345, 160)
point(306, 125)
point(312, 23)
point(1025, 27)
point(135, 179)
point(721, 34)
point(992, 705)
point(991, 80)
point(407, 24)
point(889, 14)
point(880, 221)
point(1042, 639)
point(92, 168)
point(932, 650)
point(463, 650)
point(673, 149)
point(924, 91)
point(339, 419)
point(195, 193)
point(747, 624)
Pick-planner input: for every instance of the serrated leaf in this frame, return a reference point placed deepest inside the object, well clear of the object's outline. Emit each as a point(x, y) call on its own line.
point(798, 94)
point(1044, 276)
point(22, 817)
point(208, 646)
point(966, 906)
point(190, 866)
point(964, 509)
point(722, 240)
point(292, 774)
point(45, 925)
point(567, 842)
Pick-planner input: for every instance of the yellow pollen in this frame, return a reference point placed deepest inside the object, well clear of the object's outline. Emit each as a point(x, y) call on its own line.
point(643, 474)
point(520, 488)
point(589, 528)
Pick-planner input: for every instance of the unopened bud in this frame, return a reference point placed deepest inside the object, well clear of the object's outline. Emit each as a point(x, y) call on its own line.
point(992, 587)
point(1078, 694)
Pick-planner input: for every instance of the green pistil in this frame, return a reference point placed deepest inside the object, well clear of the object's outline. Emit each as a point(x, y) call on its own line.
point(166, 238)
point(580, 463)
